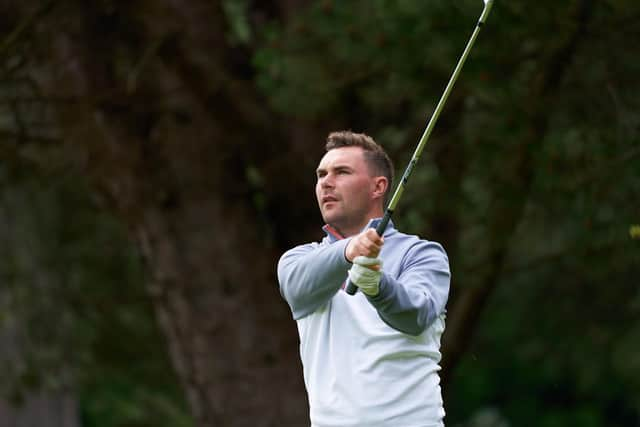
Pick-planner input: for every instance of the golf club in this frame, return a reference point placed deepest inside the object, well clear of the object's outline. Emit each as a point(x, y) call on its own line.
point(351, 288)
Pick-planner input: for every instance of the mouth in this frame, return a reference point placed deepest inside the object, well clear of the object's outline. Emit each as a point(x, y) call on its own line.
point(328, 199)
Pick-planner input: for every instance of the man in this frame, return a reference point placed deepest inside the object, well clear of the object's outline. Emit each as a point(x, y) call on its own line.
point(369, 360)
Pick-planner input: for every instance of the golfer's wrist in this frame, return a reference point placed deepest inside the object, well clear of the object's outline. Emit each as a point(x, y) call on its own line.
point(346, 251)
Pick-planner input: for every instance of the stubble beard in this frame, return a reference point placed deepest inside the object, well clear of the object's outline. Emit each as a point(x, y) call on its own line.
point(344, 221)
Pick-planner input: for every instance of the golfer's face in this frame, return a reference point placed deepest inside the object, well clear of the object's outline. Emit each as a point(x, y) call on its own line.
point(344, 188)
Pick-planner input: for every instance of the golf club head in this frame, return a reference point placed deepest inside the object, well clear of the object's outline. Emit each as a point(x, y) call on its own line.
point(485, 11)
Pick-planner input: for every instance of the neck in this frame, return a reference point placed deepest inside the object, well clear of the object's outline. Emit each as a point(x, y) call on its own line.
point(348, 230)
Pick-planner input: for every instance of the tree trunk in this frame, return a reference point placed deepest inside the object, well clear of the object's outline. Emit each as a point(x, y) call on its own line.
point(42, 410)
point(167, 128)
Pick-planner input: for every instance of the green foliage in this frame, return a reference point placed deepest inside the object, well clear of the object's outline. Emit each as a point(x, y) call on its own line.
point(74, 308)
point(236, 14)
point(336, 50)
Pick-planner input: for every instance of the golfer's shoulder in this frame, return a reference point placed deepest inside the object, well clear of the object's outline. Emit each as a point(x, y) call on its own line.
point(302, 248)
point(415, 246)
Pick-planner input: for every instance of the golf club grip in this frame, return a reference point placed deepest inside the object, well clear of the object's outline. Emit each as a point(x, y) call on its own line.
point(351, 288)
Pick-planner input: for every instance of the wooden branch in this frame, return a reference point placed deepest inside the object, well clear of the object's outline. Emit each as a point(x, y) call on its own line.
point(24, 137)
point(38, 100)
point(23, 26)
point(151, 51)
point(12, 67)
point(20, 126)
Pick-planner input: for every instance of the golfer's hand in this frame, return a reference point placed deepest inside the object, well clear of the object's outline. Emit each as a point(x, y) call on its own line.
point(367, 244)
point(365, 273)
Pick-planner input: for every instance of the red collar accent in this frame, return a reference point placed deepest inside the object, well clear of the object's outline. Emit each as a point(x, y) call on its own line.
point(335, 233)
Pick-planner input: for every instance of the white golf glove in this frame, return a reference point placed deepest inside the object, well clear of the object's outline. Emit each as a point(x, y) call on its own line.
point(365, 278)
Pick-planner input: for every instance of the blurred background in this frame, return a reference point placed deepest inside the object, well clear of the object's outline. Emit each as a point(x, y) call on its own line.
point(158, 156)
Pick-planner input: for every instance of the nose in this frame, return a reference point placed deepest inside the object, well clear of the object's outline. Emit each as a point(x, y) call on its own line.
point(326, 181)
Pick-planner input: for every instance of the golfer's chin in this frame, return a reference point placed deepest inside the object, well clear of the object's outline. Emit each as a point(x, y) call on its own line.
point(331, 216)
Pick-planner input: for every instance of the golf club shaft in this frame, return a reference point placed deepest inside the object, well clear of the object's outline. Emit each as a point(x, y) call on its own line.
point(351, 288)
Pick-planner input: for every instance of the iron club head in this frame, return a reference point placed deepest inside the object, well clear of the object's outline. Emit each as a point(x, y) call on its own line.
point(485, 11)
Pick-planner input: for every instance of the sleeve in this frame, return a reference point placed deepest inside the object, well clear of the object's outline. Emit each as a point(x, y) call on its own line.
point(413, 300)
point(309, 275)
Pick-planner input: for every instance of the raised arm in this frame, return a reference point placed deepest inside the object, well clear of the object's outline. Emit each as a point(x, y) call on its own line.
point(412, 301)
point(309, 275)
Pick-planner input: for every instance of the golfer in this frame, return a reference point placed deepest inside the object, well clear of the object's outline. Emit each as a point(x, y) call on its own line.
point(369, 360)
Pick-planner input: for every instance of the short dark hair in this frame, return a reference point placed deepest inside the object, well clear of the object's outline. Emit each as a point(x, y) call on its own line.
point(377, 159)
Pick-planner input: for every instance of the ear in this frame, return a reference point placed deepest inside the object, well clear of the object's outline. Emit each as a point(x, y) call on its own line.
point(380, 185)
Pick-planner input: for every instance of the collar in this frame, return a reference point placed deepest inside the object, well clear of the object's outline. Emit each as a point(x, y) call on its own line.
point(334, 235)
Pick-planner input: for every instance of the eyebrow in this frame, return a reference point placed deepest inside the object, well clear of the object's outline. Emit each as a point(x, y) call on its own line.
point(335, 168)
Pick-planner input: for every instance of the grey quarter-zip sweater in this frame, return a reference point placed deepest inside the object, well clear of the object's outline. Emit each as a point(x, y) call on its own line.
point(370, 361)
